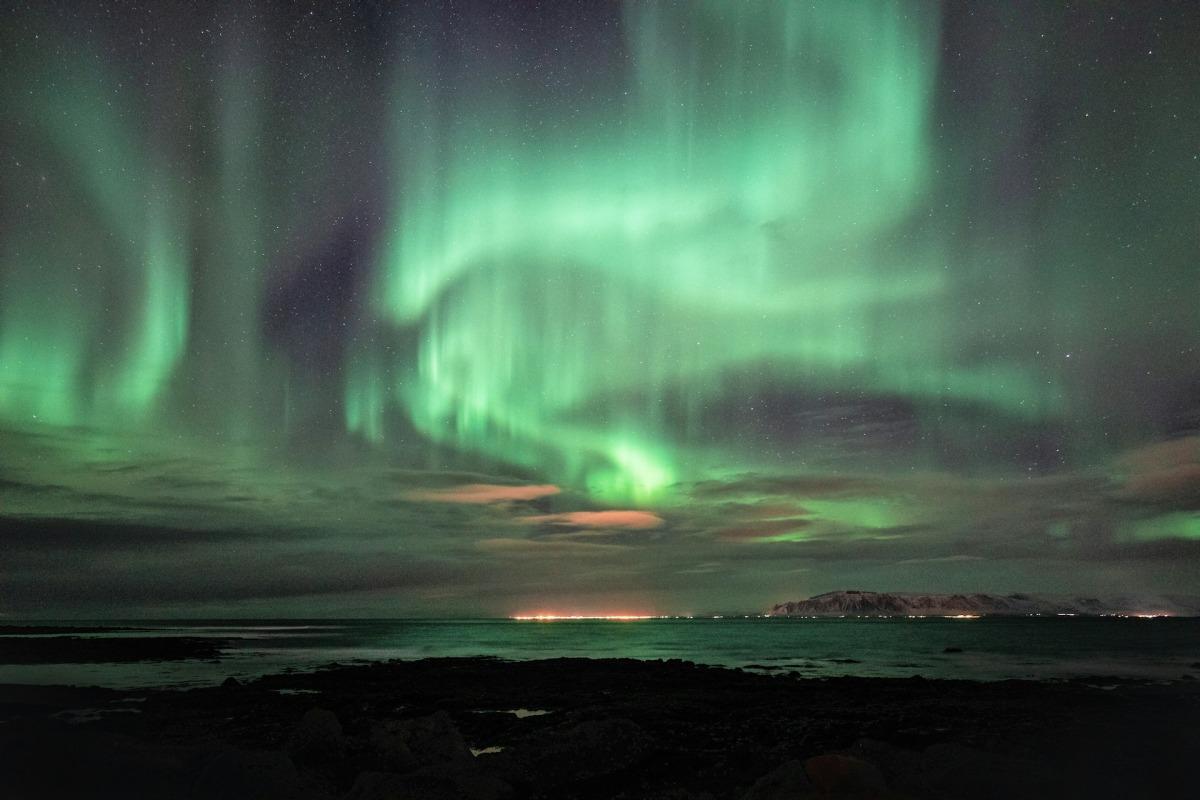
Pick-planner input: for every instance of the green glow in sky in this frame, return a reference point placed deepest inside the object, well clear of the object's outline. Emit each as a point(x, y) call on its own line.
point(882, 282)
point(94, 310)
point(734, 208)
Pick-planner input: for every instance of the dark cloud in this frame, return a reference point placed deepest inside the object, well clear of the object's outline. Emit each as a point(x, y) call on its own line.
point(1165, 475)
point(793, 486)
point(372, 530)
point(61, 536)
point(224, 574)
point(547, 548)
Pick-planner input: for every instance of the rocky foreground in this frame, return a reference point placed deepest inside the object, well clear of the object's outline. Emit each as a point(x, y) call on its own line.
point(577, 728)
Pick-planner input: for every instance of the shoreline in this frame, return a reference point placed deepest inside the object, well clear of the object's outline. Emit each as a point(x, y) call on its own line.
point(597, 728)
point(133, 653)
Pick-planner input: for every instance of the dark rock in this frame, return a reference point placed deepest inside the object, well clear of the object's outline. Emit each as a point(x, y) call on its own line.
point(377, 786)
point(43, 758)
point(441, 782)
point(836, 775)
point(41, 630)
point(658, 731)
point(231, 683)
point(580, 752)
point(83, 650)
point(250, 774)
point(956, 770)
point(429, 740)
point(952, 650)
point(387, 750)
point(901, 767)
point(317, 738)
point(787, 782)
point(399, 746)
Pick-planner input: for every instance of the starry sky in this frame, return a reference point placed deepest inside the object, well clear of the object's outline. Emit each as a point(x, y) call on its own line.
point(483, 308)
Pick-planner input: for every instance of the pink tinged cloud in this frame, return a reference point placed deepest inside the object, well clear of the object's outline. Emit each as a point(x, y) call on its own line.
point(1163, 472)
point(630, 520)
point(483, 493)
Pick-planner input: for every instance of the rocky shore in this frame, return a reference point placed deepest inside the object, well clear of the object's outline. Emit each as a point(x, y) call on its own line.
point(575, 728)
point(43, 649)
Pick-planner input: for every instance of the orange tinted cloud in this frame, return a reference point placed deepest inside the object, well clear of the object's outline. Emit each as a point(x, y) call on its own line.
point(481, 493)
point(632, 520)
point(1164, 484)
point(1166, 472)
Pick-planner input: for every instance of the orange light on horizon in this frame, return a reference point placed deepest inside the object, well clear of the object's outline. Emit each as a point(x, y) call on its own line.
point(567, 617)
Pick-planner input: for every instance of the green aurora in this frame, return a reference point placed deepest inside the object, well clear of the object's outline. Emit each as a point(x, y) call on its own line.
point(816, 289)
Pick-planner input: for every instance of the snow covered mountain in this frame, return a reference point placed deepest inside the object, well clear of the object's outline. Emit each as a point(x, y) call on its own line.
point(855, 603)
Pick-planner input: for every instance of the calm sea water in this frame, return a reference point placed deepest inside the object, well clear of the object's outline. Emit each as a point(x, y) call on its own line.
point(995, 648)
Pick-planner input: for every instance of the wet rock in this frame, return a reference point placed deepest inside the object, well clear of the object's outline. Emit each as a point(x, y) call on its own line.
point(44, 758)
point(317, 738)
point(580, 752)
point(441, 782)
point(231, 683)
point(901, 767)
point(377, 786)
point(677, 733)
point(836, 775)
point(387, 750)
point(77, 650)
point(787, 782)
point(250, 774)
point(429, 740)
point(952, 650)
point(956, 770)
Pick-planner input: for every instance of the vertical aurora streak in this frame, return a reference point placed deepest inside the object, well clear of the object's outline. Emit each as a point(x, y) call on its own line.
point(70, 351)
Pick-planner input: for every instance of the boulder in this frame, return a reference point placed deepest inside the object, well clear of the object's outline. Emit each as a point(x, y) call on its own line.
point(956, 770)
point(787, 782)
point(250, 774)
point(587, 750)
point(901, 767)
point(429, 740)
point(46, 758)
point(387, 750)
point(441, 782)
point(317, 738)
point(836, 775)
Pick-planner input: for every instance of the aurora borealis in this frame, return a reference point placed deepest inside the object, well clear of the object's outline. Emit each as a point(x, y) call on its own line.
point(587, 307)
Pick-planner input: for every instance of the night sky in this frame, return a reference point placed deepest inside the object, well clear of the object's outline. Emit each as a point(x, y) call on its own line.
point(493, 308)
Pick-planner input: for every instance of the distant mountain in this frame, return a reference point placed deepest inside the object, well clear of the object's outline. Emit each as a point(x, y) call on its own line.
point(854, 603)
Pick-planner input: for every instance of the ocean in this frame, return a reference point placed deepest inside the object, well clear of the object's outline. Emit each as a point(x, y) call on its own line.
point(989, 648)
